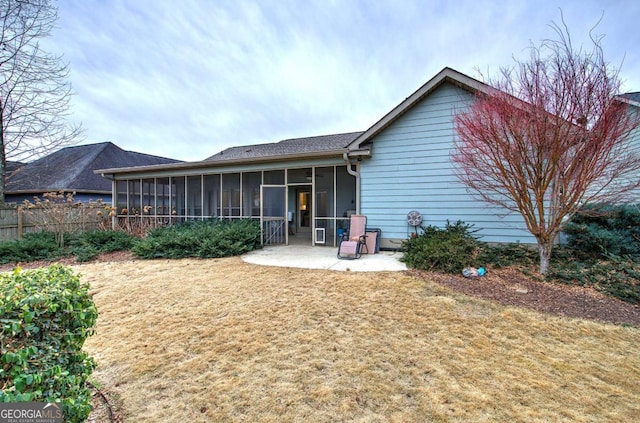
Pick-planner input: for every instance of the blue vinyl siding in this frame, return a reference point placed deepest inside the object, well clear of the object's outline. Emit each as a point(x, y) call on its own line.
point(410, 169)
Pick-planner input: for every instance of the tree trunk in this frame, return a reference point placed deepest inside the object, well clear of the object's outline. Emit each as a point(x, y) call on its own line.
point(544, 247)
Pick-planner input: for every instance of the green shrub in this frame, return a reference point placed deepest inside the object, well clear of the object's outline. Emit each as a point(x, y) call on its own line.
point(33, 246)
point(45, 317)
point(84, 253)
point(446, 250)
point(503, 255)
point(613, 275)
point(108, 241)
point(204, 239)
point(611, 229)
point(44, 246)
point(86, 246)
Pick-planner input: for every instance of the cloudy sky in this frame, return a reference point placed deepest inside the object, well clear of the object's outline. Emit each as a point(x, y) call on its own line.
point(185, 79)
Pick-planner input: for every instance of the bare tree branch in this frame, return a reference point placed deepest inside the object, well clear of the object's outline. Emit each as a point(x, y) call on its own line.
point(34, 90)
point(551, 137)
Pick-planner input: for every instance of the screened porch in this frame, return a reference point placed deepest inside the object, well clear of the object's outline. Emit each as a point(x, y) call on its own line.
point(309, 205)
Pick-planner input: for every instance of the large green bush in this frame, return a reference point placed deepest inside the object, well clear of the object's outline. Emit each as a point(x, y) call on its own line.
point(614, 275)
point(45, 317)
point(600, 231)
point(44, 246)
point(33, 246)
point(204, 239)
point(448, 249)
point(88, 245)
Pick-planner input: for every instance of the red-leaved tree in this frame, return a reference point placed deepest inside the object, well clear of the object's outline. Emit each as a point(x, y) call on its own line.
point(549, 137)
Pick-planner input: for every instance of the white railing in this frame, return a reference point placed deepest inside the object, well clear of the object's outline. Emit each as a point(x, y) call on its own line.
point(274, 230)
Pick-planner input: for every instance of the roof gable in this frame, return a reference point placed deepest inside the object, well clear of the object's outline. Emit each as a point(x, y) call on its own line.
point(71, 168)
point(445, 75)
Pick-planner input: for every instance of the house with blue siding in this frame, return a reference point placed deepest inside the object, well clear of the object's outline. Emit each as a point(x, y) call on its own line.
point(304, 190)
point(410, 168)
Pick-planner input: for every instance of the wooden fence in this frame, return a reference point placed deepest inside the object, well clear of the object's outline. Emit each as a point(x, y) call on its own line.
point(15, 221)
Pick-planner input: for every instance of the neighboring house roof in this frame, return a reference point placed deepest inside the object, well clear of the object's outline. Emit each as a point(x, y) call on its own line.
point(445, 75)
point(71, 169)
point(13, 166)
point(323, 143)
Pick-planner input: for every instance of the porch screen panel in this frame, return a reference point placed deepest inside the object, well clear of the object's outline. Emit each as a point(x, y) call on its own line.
point(211, 195)
point(231, 194)
point(194, 196)
point(274, 222)
point(251, 182)
point(346, 192)
point(134, 197)
point(177, 197)
point(299, 176)
point(324, 192)
point(274, 177)
point(163, 199)
point(121, 196)
point(148, 197)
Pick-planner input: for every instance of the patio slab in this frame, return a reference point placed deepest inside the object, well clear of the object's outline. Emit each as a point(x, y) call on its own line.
point(308, 257)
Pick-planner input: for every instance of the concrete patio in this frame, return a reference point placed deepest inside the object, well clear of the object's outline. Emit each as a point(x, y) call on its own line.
point(308, 257)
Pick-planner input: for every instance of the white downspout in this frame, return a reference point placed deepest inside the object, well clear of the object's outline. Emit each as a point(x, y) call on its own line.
point(355, 173)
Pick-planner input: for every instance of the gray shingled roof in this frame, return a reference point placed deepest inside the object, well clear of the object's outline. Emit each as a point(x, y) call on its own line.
point(71, 168)
point(317, 144)
point(11, 166)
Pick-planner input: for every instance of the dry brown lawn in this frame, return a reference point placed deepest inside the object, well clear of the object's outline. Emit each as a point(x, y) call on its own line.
point(222, 340)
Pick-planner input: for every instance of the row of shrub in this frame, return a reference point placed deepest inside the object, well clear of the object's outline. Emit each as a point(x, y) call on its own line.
point(204, 239)
point(602, 251)
point(212, 238)
point(45, 317)
point(44, 246)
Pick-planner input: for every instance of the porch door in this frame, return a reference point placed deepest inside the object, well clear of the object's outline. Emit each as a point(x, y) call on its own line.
point(304, 207)
point(273, 214)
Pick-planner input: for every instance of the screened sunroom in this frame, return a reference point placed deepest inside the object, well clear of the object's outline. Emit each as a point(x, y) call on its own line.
point(307, 205)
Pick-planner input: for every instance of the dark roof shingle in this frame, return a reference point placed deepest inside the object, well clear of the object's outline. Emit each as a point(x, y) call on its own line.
point(71, 168)
point(317, 144)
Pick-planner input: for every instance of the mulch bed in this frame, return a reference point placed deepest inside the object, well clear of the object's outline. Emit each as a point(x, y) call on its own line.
point(510, 287)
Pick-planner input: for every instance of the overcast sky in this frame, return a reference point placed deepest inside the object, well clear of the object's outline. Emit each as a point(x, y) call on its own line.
point(187, 78)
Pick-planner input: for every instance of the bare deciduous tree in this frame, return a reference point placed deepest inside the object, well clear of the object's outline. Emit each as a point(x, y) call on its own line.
point(551, 137)
point(34, 90)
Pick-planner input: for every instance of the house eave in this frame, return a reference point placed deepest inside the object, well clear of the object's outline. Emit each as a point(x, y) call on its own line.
point(623, 99)
point(111, 173)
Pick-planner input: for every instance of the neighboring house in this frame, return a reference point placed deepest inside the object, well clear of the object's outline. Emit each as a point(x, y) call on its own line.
point(71, 170)
point(305, 188)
